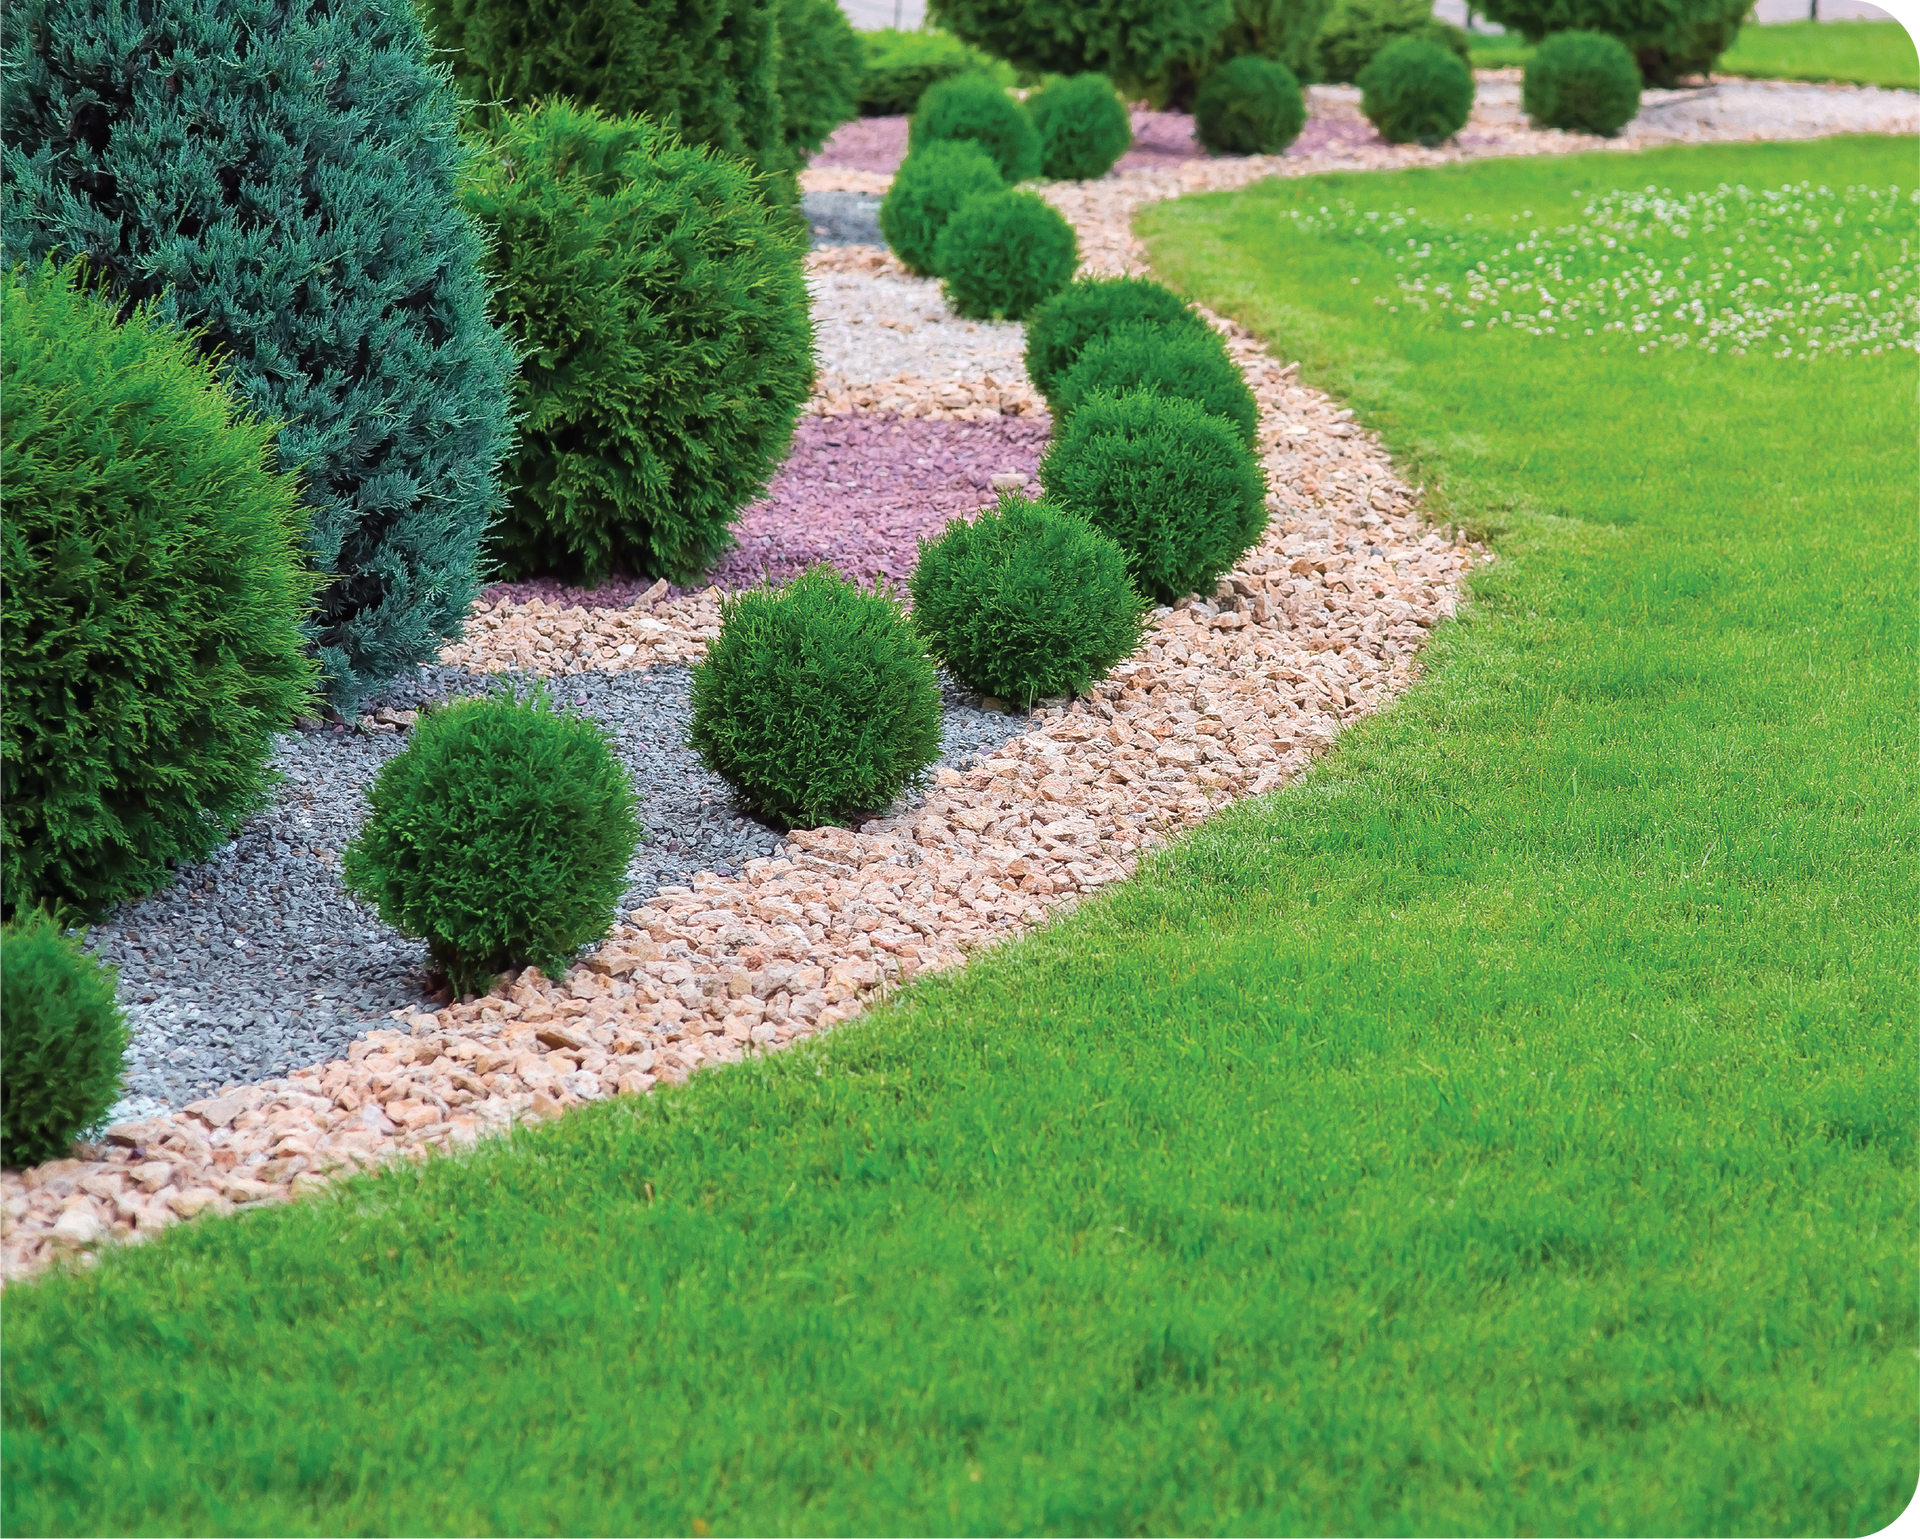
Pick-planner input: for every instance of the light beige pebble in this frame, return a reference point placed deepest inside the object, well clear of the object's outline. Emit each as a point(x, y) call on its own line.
point(1231, 694)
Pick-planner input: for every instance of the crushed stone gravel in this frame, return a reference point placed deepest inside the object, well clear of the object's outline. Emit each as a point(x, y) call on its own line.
point(842, 218)
point(258, 962)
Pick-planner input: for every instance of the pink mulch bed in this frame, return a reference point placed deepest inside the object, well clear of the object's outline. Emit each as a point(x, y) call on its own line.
point(854, 492)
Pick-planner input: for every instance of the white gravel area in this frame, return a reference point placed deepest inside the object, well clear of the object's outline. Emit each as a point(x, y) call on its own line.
point(872, 328)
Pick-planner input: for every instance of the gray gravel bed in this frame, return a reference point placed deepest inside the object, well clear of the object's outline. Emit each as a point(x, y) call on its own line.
point(843, 218)
point(257, 961)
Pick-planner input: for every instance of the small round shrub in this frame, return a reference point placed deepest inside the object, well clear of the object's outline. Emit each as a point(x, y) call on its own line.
point(1356, 30)
point(1088, 309)
point(1249, 106)
point(816, 702)
point(661, 308)
point(1416, 92)
point(1182, 361)
point(150, 640)
point(926, 190)
point(1172, 484)
point(1084, 127)
point(500, 835)
point(901, 65)
point(974, 107)
point(1002, 253)
point(1025, 602)
point(1586, 82)
point(65, 1044)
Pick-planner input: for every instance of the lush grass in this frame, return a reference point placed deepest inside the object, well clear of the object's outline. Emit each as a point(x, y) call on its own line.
point(1509, 1128)
point(1863, 52)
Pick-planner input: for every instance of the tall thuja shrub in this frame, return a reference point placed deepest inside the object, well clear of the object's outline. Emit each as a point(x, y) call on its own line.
point(708, 68)
point(1131, 42)
point(820, 66)
point(282, 178)
point(1285, 31)
point(1669, 38)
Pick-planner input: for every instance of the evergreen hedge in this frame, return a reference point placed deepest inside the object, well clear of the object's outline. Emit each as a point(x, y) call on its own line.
point(662, 308)
point(150, 638)
point(284, 180)
point(820, 68)
point(708, 68)
point(1669, 38)
point(1132, 42)
point(1355, 30)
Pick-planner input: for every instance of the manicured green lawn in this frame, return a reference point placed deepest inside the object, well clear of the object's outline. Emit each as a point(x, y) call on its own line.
point(1510, 1128)
point(1863, 52)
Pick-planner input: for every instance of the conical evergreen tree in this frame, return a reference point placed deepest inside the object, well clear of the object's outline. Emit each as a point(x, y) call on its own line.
point(283, 178)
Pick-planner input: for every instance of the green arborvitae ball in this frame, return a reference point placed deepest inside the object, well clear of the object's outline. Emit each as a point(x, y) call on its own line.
point(1249, 106)
point(820, 65)
point(1084, 127)
point(1131, 42)
point(150, 641)
point(283, 179)
point(926, 190)
point(1356, 30)
point(1183, 361)
point(816, 702)
point(709, 69)
point(1416, 92)
point(500, 835)
point(1087, 310)
point(901, 65)
point(1667, 41)
point(1002, 253)
point(1585, 82)
point(64, 1046)
point(1025, 602)
point(1172, 484)
point(977, 108)
point(661, 307)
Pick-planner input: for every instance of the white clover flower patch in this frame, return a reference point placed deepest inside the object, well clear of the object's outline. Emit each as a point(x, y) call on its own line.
point(1793, 271)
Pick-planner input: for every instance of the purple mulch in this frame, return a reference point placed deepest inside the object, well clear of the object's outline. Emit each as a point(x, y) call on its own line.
point(1160, 139)
point(854, 492)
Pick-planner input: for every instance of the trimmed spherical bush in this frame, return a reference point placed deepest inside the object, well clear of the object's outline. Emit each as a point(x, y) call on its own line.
point(1249, 106)
point(1416, 92)
point(661, 306)
point(500, 835)
point(282, 180)
point(1084, 127)
point(1002, 253)
point(974, 107)
point(150, 642)
point(926, 190)
point(1182, 361)
point(1173, 485)
point(1088, 309)
point(816, 702)
point(1025, 602)
point(64, 1048)
point(1585, 82)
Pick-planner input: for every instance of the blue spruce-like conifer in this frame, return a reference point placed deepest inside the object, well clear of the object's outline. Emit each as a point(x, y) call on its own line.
point(282, 178)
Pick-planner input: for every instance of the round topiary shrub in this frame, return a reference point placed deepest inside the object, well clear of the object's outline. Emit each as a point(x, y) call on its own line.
point(1084, 127)
point(926, 190)
point(1025, 602)
point(661, 305)
point(1585, 82)
point(1002, 253)
point(500, 835)
point(282, 181)
point(65, 1045)
point(1416, 92)
point(1249, 106)
point(816, 702)
point(1182, 361)
point(1088, 309)
point(150, 641)
point(1171, 483)
point(973, 107)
